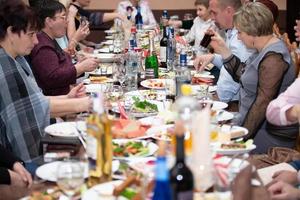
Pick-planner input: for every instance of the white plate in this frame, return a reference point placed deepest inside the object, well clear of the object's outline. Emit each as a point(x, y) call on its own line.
point(65, 129)
point(148, 83)
point(151, 146)
point(107, 42)
point(103, 191)
point(105, 57)
point(240, 131)
point(143, 94)
point(159, 132)
point(48, 171)
point(224, 116)
point(219, 105)
point(219, 150)
point(159, 104)
point(110, 31)
point(95, 88)
point(212, 88)
point(109, 37)
point(102, 71)
point(88, 81)
point(103, 50)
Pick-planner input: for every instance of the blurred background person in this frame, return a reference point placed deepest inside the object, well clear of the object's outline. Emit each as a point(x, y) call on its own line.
point(78, 15)
point(128, 8)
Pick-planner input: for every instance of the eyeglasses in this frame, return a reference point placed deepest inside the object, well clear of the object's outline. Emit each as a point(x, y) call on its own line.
point(61, 17)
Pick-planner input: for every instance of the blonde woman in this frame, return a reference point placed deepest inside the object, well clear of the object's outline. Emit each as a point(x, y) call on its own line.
point(267, 73)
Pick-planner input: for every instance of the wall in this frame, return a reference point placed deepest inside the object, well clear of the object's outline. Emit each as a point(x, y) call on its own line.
point(162, 4)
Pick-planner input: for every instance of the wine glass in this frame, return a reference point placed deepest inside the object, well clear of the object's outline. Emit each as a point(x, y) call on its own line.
point(70, 177)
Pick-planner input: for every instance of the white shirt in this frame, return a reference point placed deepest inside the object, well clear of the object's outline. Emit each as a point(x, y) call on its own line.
point(198, 30)
point(148, 17)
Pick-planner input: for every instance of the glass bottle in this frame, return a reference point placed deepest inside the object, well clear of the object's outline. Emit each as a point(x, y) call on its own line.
point(163, 49)
point(181, 177)
point(139, 19)
point(99, 143)
point(151, 62)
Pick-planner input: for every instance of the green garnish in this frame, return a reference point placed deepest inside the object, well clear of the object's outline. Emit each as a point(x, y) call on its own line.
point(144, 106)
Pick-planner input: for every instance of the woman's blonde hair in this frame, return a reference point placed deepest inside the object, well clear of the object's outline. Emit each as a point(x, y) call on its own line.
point(255, 19)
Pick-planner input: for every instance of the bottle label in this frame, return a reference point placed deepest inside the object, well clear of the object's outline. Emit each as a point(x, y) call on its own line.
point(91, 151)
point(163, 54)
point(150, 73)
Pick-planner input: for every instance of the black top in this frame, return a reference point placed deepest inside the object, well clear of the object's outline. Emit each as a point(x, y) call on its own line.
point(7, 160)
point(95, 18)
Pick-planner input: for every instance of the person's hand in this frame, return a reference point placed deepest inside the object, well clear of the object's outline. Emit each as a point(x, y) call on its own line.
point(77, 91)
point(19, 172)
point(297, 29)
point(81, 33)
point(285, 176)
point(283, 191)
point(72, 11)
point(86, 104)
point(90, 64)
point(202, 61)
point(122, 17)
point(218, 44)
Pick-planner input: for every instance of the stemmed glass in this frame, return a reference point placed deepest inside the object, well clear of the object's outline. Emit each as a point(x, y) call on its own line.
point(70, 177)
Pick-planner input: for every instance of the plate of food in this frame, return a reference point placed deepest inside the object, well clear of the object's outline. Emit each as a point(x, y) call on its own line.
point(103, 70)
point(148, 94)
point(103, 191)
point(48, 171)
point(156, 84)
point(132, 149)
point(66, 129)
point(97, 80)
point(128, 129)
point(234, 132)
point(232, 148)
point(160, 132)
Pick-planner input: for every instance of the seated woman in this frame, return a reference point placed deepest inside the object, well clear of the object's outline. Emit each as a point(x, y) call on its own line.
point(129, 9)
point(51, 66)
point(24, 110)
point(76, 14)
point(12, 172)
point(267, 73)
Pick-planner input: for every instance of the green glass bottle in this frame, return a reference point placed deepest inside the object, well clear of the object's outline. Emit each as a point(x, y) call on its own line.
point(151, 61)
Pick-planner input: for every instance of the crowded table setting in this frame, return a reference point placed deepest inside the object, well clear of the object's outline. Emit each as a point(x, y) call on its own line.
point(172, 108)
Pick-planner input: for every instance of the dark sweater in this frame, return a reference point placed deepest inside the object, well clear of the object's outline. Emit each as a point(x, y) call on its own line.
point(7, 160)
point(52, 67)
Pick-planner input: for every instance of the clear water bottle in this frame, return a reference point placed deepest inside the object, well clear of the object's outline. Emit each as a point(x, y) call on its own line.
point(132, 38)
point(171, 49)
point(132, 68)
point(182, 73)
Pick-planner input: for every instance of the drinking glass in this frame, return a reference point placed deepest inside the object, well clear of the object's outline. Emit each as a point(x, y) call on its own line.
point(120, 71)
point(70, 177)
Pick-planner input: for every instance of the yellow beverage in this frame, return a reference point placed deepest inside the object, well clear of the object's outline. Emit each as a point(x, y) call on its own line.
point(188, 142)
point(214, 135)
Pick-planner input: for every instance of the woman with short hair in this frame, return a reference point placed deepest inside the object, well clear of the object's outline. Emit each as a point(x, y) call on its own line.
point(53, 67)
point(24, 110)
point(267, 73)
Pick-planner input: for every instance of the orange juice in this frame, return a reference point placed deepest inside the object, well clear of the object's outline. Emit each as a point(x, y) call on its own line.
point(187, 143)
